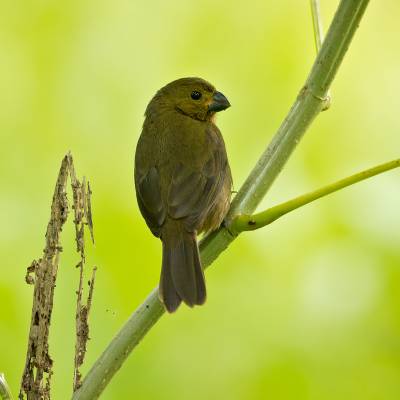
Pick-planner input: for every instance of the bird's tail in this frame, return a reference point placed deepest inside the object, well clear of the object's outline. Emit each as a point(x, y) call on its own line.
point(182, 276)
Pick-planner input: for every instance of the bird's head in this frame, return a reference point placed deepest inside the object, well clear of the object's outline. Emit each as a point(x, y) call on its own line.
point(193, 97)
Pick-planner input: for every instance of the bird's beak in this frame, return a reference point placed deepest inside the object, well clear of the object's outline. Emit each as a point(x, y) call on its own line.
point(219, 103)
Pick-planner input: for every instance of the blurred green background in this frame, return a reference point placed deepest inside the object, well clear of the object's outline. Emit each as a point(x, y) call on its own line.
point(308, 308)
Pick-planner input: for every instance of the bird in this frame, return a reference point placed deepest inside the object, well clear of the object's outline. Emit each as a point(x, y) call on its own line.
point(183, 182)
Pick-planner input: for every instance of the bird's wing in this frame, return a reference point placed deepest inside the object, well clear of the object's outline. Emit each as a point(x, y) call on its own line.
point(192, 193)
point(149, 198)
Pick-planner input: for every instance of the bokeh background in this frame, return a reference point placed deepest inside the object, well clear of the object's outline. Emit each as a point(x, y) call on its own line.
point(308, 308)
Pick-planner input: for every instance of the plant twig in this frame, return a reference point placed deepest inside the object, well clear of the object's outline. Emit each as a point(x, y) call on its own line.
point(319, 38)
point(317, 24)
point(307, 106)
point(42, 273)
point(82, 325)
point(5, 392)
point(252, 222)
point(38, 367)
point(82, 213)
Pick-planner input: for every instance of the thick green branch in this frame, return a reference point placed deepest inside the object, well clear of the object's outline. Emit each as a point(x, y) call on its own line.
point(307, 106)
point(252, 222)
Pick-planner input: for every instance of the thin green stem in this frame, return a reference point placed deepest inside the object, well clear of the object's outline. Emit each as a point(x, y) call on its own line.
point(5, 392)
point(318, 39)
point(317, 24)
point(259, 220)
point(307, 106)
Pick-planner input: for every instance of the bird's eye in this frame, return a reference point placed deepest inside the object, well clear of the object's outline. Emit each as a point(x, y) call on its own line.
point(195, 95)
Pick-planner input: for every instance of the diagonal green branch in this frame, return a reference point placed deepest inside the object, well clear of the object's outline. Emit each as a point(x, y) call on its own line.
point(307, 106)
point(256, 221)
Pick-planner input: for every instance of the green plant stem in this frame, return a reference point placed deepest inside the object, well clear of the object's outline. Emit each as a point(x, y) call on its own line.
point(317, 24)
point(307, 106)
point(318, 39)
point(256, 221)
point(5, 392)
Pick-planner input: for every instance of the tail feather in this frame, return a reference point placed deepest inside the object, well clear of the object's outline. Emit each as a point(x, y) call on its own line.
point(167, 292)
point(182, 277)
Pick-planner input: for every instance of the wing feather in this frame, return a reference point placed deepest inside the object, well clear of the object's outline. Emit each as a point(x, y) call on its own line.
point(192, 194)
point(150, 200)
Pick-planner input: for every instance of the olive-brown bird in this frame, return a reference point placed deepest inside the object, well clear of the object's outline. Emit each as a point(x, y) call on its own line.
point(183, 181)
